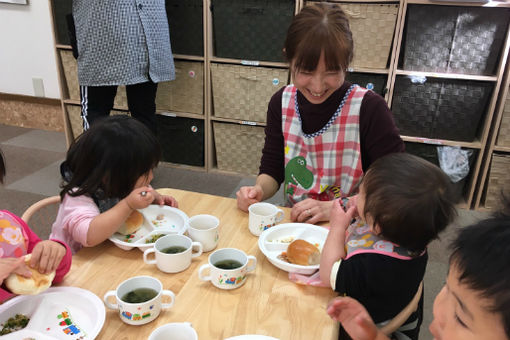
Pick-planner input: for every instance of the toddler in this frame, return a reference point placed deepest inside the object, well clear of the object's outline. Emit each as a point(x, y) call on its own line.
point(107, 174)
point(380, 258)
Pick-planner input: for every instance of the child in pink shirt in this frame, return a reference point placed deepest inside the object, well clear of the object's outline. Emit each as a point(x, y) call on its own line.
point(17, 240)
point(106, 174)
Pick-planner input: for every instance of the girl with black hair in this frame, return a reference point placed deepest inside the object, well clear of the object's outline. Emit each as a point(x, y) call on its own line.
point(107, 175)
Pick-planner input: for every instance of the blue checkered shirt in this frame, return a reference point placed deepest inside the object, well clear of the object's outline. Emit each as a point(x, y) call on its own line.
point(122, 42)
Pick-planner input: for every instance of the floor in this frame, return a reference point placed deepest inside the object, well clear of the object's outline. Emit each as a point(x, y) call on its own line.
point(33, 158)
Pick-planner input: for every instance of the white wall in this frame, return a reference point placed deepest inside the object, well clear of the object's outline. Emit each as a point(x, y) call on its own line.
point(26, 49)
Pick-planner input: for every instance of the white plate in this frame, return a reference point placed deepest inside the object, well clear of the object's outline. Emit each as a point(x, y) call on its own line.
point(252, 337)
point(174, 221)
point(275, 240)
point(68, 313)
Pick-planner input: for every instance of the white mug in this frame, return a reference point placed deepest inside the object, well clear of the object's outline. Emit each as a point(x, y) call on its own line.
point(177, 262)
point(227, 278)
point(204, 229)
point(139, 313)
point(262, 216)
point(174, 331)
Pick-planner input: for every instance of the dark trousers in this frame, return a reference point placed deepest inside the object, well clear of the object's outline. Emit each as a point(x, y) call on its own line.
point(97, 102)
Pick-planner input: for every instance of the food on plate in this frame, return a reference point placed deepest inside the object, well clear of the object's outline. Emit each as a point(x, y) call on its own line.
point(160, 217)
point(132, 223)
point(13, 324)
point(35, 284)
point(303, 253)
point(154, 238)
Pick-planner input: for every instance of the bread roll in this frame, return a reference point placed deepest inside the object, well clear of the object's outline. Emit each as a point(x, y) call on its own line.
point(35, 284)
point(132, 223)
point(303, 253)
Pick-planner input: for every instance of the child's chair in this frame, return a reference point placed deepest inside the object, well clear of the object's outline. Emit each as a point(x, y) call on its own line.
point(42, 214)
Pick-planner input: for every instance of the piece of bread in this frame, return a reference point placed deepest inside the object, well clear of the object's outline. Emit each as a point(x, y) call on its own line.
point(303, 253)
point(132, 223)
point(35, 284)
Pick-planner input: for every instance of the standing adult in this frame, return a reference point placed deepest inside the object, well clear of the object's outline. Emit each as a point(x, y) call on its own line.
point(322, 132)
point(122, 42)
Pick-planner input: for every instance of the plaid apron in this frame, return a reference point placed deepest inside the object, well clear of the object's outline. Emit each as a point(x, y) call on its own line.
point(324, 165)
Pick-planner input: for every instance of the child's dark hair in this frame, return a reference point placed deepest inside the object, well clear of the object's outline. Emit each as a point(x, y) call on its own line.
point(2, 167)
point(481, 256)
point(111, 156)
point(409, 198)
point(319, 28)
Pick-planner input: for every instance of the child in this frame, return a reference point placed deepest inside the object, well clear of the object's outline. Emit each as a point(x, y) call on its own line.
point(322, 132)
point(403, 204)
point(17, 239)
point(107, 173)
point(475, 300)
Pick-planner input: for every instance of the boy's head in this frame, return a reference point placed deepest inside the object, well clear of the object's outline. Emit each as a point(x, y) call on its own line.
point(319, 28)
point(475, 301)
point(406, 199)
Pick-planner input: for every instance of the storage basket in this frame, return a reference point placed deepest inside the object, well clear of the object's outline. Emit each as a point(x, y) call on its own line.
point(251, 29)
point(61, 8)
point(371, 81)
point(186, 26)
point(429, 153)
point(74, 115)
point(243, 92)
point(70, 68)
point(238, 147)
point(504, 128)
point(181, 139)
point(440, 108)
point(498, 181)
point(186, 92)
point(454, 39)
point(373, 27)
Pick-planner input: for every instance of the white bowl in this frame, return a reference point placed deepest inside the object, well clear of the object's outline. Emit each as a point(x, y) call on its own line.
point(174, 331)
point(174, 221)
point(275, 240)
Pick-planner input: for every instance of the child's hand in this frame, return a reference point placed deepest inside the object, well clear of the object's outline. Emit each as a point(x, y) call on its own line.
point(46, 256)
point(11, 265)
point(140, 198)
point(340, 218)
point(353, 317)
point(353, 202)
point(164, 199)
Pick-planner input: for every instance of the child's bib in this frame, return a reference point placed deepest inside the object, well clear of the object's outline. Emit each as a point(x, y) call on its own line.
point(13, 238)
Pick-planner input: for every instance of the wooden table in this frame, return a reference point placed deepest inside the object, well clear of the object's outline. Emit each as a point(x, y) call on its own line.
point(268, 303)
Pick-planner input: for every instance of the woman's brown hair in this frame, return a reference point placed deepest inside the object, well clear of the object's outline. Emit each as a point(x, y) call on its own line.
point(319, 28)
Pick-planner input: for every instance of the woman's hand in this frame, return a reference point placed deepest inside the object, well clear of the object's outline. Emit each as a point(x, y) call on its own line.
point(246, 196)
point(46, 256)
point(354, 318)
point(9, 265)
point(311, 211)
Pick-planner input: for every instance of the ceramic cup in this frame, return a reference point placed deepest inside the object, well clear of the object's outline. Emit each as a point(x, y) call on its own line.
point(173, 263)
point(204, 229)
point(227, 278)
point(262, 216)
point(142, 312)
point(174, 331)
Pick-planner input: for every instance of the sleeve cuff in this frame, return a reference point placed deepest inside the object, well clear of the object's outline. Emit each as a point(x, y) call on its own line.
point(334, 273)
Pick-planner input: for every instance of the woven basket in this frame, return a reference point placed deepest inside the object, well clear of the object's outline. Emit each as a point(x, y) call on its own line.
point(454, 39)
point(186, 26)
point(498, 182)
point(186, 92)
point(181, 139)
point(243, 92)
point(373, 27)
point(440, 108)
point(371, 81)
point(73, 88)
point(251, 29)
point(61, 8)
point(74, 115)
point(504, 128)
point(238, 147)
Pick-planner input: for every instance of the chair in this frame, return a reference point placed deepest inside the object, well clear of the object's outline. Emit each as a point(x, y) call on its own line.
point(41, 215)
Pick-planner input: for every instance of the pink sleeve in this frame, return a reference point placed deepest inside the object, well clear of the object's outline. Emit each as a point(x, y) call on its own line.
point(5, 294)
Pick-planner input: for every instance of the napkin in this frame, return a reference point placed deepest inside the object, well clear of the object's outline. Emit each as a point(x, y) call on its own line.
point(311, 280)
